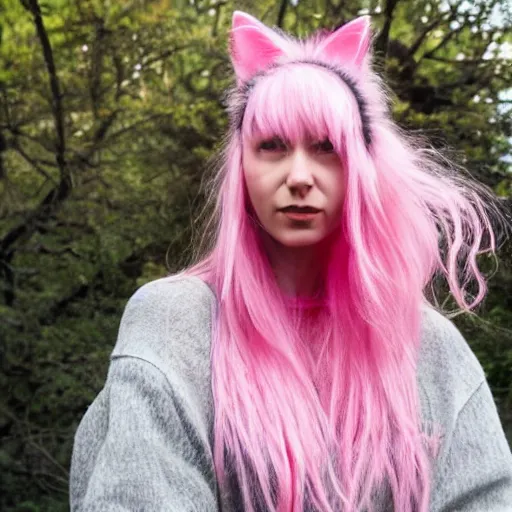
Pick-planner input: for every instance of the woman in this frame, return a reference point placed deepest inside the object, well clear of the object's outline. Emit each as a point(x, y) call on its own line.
point(297, 365)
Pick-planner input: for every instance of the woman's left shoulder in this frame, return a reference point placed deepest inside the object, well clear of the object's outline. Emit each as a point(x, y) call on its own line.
point(473, 463)
point(448, 370)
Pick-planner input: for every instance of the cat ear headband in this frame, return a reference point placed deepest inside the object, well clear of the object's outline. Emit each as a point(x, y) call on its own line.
point(255, 49)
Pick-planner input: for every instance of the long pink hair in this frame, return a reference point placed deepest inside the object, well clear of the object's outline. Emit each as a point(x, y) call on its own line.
point(335, 428)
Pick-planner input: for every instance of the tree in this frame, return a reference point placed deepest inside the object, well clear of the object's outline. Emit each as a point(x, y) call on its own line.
point(108, 115)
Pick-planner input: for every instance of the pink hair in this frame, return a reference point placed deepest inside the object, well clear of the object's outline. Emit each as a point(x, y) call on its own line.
point(333, 431)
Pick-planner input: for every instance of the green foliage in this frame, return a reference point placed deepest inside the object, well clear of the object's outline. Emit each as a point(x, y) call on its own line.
point(105, 130)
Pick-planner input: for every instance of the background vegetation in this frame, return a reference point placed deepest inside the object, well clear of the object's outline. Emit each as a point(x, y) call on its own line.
point(108, 113)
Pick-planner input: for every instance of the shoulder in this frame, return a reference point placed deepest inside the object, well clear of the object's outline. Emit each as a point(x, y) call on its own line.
point(448, 370)
point(179, 291)
point(167, 322)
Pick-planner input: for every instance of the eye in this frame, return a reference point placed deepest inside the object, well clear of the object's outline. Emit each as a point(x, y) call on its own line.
point(274, 144)
point(324, 146)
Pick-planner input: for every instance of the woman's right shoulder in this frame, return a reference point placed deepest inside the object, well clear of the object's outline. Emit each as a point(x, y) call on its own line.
point(167, 322)
point(180, 289)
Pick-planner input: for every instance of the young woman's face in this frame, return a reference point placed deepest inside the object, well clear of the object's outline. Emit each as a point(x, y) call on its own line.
point(296, 191)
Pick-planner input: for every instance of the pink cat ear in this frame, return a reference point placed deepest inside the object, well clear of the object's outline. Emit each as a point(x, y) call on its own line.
point(253, 46)
point(349, 44)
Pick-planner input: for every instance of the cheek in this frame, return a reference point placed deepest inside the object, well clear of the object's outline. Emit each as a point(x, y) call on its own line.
point(257, 190)
point(340, 194)
point(260, 182)
point(335, 186)
point(253, 185)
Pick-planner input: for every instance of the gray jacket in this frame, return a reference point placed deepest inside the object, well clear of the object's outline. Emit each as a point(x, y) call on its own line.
point(145, 442)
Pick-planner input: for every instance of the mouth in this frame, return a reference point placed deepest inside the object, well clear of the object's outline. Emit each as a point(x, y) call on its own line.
point(300, 214)
point(299, 209)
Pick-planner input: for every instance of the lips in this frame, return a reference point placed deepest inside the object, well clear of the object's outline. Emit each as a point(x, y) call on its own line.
point(300, 209)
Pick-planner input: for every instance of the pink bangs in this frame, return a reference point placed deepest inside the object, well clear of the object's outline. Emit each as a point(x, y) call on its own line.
point(297, 102)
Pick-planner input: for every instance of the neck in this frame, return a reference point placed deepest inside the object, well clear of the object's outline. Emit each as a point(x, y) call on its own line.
point(298, 270)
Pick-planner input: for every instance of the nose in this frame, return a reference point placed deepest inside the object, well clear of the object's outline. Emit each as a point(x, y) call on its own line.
point(300, 178)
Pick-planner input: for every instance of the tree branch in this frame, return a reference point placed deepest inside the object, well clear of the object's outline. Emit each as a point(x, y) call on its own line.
point(282, 12)
point(381, 43)
point(33, 7)
point(61, 191)
point(43, 451)
point(97, 56)
point(40, 214)
point(419, 41)
point(136, 124)
point(32, 162)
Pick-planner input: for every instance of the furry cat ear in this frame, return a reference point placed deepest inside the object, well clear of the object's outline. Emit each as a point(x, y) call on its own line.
point(348, 45)
point(253, 46)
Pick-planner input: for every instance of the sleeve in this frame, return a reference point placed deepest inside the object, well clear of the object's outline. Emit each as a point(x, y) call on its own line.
point(474, 474)
point(145, 442)
point(137, 450)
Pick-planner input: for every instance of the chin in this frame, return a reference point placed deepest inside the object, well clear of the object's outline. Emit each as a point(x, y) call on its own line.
point(299, 239)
